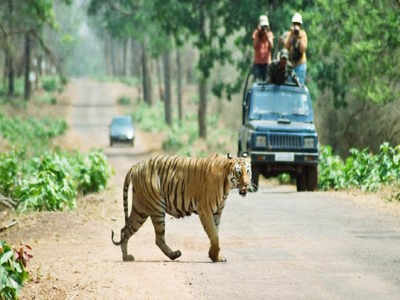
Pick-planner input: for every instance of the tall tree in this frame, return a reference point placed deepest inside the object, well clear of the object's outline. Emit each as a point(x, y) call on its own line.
point(167, 82)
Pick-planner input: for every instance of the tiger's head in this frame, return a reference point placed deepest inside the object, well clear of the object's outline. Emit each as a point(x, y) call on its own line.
point(240, 175)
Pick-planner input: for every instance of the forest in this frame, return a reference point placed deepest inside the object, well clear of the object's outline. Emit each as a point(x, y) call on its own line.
point(353, 54)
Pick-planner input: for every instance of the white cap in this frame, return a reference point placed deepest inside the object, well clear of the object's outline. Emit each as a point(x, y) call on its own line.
point(264, 20)
point(297, 18)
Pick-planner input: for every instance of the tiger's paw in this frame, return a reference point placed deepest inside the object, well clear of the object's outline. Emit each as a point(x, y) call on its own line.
point(214, 255)
point(175, 254)
point(219, 259)
point(128, 258)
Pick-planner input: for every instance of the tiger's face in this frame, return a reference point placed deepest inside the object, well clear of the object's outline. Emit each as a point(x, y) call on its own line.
point(240, 176)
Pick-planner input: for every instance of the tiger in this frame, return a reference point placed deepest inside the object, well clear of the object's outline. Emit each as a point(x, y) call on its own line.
point(180, 186)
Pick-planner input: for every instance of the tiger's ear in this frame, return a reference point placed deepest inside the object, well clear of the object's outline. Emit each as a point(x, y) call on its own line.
point(229, 156)
point(245, 155)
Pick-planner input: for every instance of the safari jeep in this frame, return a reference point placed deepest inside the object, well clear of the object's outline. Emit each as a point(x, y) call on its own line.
point(278, 133)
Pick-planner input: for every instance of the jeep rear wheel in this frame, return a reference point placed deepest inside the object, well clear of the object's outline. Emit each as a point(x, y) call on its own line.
point(312, 178)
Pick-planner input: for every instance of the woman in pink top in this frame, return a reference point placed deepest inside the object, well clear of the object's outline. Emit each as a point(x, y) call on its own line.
point(263, 41)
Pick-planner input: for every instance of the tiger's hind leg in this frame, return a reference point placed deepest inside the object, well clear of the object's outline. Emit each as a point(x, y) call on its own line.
point(159, 228)
point(135, 221)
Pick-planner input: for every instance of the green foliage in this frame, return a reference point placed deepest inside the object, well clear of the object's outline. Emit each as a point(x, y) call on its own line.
point(284, 178)
point(124, 100)
point(49, 84)
point(48, 99)
point(30, 132)
point(149, 118)
point(42, 180)
point(361, 169)
point(94, 172)
point(12, 270)
point(181, 138)
point(52, 180)
point(358, 49)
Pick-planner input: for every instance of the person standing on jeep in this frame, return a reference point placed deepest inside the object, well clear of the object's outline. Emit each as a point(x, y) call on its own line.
point(263, 41)
point(280, 70)
point(296, 43)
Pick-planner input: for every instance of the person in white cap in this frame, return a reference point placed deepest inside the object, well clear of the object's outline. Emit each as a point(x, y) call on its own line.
point(296, 43)
point(263, 41)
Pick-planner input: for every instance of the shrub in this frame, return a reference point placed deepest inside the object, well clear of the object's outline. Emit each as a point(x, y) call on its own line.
point(32, 132)
point(12, 270)
point(361, 169)
point(94, 172)
point(53, 180)
point(124, 100)
point(49, 84)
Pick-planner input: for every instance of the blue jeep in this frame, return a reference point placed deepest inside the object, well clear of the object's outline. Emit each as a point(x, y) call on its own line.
point(278, 133)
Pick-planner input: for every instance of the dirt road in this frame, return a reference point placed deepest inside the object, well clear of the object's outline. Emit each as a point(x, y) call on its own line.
point(279, 244)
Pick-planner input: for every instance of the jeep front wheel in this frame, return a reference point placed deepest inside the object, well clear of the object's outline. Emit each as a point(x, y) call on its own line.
point(301, 181)
point(312, 178)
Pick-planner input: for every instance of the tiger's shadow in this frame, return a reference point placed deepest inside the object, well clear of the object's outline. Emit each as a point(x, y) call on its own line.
point(166, 261)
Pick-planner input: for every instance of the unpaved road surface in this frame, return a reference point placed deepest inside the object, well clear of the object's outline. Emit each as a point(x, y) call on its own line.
point(279, 244)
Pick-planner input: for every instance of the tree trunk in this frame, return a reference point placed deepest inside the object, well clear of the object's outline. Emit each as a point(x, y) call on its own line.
point(124, 57)
point(107, 54)
point(27, 85)
point(167, 88)
point(179, 83)
point(113, 58)
point(10, 58)
point(146, 77)
point(202, 107)
point(203, 80)
point(159, 79)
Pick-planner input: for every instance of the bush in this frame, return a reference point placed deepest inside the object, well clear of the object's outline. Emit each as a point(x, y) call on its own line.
point(124, 100)
point(12, 270)
point(361, 169)
point(49, 84)
point(94, 172)
point(48, 99)
point(31, 132)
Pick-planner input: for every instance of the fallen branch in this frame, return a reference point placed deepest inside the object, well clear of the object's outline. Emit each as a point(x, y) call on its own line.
point(13, 222)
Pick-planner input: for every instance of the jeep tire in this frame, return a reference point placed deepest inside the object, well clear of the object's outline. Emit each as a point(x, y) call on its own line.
point(301, 180)
point(312, 178)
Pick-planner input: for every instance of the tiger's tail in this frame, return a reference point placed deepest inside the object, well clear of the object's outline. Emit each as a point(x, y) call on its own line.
point(125, 199)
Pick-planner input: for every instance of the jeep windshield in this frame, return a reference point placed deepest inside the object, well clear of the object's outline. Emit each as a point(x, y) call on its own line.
point(278, 104)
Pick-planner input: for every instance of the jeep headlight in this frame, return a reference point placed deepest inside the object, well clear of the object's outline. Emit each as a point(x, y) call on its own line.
point(261, 141)
point(309, 142)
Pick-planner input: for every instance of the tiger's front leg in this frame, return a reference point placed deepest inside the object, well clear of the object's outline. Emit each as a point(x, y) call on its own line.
point(159, 228)
point(209, 223)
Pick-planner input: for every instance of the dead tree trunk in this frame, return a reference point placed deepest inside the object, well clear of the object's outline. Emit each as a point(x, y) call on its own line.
point(167, 87)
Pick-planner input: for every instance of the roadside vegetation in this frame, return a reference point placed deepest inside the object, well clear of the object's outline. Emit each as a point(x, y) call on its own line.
point(36, 176)
point(13, 271)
